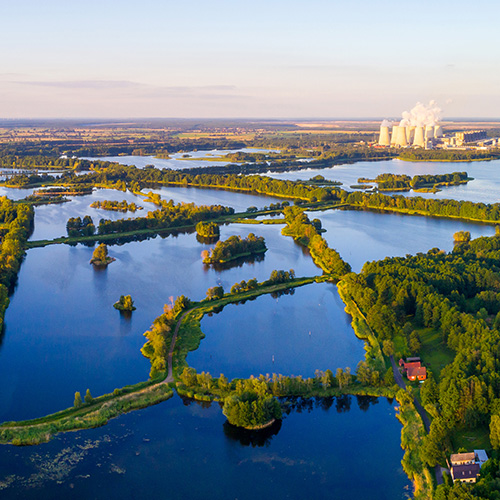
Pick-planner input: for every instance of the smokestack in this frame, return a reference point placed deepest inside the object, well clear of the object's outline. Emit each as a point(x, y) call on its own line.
point(383, 139)
point(429, 132)
point(401, 137)
point(438, 131)
point(418, 138)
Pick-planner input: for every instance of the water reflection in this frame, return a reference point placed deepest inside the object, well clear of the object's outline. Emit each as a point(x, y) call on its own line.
point(253, 438)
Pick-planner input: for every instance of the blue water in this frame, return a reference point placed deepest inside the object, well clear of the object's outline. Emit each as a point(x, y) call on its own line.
point(484, 188)
point(345, 449)
point(291, 335)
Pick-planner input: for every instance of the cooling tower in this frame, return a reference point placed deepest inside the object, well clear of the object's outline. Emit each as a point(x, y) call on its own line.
point(401, 137)
point(429, 132)
point(438, 131)
point(418, 138)
point(394, 135)
point(383, 139)
point(410, 132)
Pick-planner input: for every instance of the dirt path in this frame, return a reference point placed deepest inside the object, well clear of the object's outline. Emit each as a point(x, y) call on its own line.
point(425, 419)
point(170, 375)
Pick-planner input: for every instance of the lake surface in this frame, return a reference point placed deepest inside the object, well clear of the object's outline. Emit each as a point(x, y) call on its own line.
point(484, 188)
point(291, 335)
point(62, 335)
point(319, 452)
point(61, 317)
point(361, 236)
point(201, 158)
point(50, 220)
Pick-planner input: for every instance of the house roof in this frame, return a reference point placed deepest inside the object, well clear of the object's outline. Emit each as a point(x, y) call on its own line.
point(417, 371)
point(481, 455)
point(463, 457)
point(468, 471)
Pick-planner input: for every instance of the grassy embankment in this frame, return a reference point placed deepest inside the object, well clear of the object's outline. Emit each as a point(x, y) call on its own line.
point(361, 327)
point(101, 409)
point(89, 415)
point(240, 218)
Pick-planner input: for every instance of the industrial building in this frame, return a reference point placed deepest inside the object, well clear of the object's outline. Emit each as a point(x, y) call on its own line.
point(432, 136)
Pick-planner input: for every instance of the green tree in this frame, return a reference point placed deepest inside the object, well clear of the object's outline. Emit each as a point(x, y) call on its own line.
point(78, 400)
point(495, 431)
point(88, 397)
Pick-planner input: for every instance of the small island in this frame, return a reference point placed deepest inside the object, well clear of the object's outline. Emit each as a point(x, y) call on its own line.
point(251, 411)
point(234, 248)
point(117, 206)
point(207, 230)
point(100, 257)
point(125, 304)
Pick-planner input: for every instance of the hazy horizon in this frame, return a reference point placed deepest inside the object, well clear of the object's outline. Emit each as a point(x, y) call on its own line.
point(275, 60)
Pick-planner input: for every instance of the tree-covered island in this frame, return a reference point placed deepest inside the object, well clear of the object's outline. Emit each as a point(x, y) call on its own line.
point(233, 248)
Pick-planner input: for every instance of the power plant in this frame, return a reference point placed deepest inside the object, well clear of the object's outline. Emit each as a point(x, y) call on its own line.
point(420, 128)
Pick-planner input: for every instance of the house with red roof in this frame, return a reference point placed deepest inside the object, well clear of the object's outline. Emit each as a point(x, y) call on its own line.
point(413, 369)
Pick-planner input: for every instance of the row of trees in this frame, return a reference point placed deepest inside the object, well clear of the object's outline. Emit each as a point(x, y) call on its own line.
point(168, 216)
point(307, 233)
point(17, 224)
point(427, 206)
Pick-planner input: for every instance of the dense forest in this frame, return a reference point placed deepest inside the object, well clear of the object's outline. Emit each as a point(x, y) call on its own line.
point(457, 297)
point(426, 206)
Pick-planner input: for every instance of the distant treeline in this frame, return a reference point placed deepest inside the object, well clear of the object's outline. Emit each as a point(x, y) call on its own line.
point(447, 155)
point(427, 206)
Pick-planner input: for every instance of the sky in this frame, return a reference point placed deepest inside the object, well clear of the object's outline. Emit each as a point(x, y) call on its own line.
point(252, 59)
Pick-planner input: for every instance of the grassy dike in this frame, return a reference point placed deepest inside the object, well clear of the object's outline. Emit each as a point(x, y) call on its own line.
point(361, 327)
point(103, 408)
point(89, 415)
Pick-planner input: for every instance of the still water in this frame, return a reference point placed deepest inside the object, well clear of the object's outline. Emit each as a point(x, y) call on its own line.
point(364, 236)
point(61, 317)
point(176, 161)
point(50, 220)
point(62, 335)
point(321, 451)
point(292, 335)
point(484, 188)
